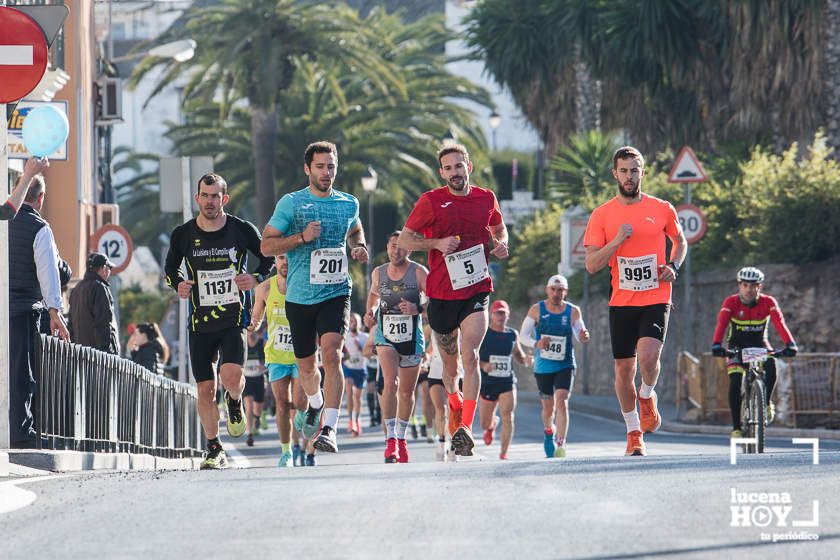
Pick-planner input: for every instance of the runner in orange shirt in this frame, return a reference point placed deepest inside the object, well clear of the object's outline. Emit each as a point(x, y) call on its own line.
point(628, 233)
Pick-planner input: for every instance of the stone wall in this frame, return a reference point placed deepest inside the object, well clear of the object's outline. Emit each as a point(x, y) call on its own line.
point(809, 296)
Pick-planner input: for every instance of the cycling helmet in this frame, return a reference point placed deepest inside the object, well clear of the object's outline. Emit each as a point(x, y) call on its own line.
point(750, 274)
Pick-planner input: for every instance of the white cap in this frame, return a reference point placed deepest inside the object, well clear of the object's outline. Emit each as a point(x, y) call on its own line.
point(557, 280)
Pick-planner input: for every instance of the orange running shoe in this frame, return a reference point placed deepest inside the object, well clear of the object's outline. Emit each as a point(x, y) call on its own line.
point(635, 444)
point(454, 420)
point(649, 414)
point(351, 427)
point(358, 428)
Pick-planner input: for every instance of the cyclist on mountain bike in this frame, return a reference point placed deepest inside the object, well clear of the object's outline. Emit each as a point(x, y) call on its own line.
point(747, 313)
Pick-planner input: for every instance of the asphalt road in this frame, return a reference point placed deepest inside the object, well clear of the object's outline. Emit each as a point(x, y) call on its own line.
point(675, 503)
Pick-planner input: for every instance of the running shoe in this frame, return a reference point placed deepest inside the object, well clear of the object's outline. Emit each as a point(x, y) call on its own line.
point(649, 413)
point(264, 420)
point(310, 459)
point(312, 423)
point(413, 427)
point(358, 427)
point(215, 458)
point(297, 456)
point(635, 444)
point(440, 451)
point(736, 434)
point(454, 420)
point(503, 456)
point(236, 422)
point(391, 455)
point(488, 437)
point(451, 455)
point(250, 441)
point(463, 442)
point(286, 460)
point(560, 451)
point(351, 427)
point(326, 440)
point(548, 443)
point(424, 432)
point(402, 451)
point(771, 413)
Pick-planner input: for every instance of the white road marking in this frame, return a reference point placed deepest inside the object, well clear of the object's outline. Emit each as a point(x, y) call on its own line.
point(13, 498)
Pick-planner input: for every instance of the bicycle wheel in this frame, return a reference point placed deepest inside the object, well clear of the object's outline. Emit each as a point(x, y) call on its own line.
point(759, 419)
point(746, 419)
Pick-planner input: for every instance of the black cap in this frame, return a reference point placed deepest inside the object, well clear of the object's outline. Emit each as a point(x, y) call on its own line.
point(98, 260)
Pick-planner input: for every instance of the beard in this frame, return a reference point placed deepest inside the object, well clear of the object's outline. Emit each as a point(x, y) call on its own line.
point(211, 213)
point(457, 182)
point(398, 261)
point(320, 186)
point(628, 190)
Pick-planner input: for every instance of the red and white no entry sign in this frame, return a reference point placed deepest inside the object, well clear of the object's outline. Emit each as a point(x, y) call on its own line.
point(693, 222)
point(23, 54)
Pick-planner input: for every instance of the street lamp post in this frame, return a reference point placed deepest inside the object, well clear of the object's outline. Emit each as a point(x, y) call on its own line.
point(495, 121)
point(369, 181)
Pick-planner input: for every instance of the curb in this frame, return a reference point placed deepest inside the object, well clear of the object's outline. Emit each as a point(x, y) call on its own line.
point(4, 463)
point(78, 461)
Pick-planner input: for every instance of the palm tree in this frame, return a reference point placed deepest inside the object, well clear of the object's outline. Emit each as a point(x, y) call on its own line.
point(252, 50)
point(580, 171)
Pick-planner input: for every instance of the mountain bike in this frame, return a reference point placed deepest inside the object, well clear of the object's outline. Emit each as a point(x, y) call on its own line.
point(753, 405)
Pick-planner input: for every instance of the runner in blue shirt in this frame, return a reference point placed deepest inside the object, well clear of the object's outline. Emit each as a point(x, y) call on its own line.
point(313, 226)
point(548, 328)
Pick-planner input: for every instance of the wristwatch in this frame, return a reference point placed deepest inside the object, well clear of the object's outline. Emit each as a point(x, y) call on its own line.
point(675, 266)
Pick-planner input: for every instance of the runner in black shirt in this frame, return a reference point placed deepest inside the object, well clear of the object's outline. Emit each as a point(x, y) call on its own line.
point(214, 246)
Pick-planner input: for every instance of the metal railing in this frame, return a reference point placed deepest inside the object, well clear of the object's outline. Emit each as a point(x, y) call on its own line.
point(93, 401)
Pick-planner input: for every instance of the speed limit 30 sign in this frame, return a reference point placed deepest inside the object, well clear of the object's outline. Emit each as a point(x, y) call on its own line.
point(693, 222)
point(115, 242)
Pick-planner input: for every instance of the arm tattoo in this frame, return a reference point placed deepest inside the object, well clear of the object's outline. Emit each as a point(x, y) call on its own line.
point(448, 342)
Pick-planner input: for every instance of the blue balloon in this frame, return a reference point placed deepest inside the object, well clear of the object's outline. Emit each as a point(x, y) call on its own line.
point(45, 129)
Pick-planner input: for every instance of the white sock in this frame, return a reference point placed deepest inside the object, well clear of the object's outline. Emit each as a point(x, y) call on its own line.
point(402, 427)
point(390, 427)
point(631, 419)
point(645, 390)
point(316, 400)
point(331, 417)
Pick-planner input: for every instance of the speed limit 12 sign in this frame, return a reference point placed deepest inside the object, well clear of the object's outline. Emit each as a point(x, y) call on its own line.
point(115, 242)
point(693, 222)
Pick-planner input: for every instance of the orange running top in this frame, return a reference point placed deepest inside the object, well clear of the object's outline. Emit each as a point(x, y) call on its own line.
point(635, 266)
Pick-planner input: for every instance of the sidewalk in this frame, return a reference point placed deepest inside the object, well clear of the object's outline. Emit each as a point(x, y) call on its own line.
point(606, 407)
point(21, 462)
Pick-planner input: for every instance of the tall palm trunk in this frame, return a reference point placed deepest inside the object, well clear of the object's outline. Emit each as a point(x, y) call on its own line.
point(587, 96)
point(263, 143)
point(832, 74)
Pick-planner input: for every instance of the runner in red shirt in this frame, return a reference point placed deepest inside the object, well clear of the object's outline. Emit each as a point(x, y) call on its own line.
point(454, 223)
point(628, 233)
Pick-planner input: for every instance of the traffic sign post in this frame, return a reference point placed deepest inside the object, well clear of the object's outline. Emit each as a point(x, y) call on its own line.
point(115, 243)
point(687, 170)
point(573, 257)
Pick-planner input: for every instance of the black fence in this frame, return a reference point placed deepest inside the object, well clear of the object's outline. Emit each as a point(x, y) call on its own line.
point(92, 401)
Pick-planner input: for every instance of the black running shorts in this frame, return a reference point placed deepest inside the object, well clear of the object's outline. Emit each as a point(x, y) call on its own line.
point(491, 391)
point(547, 383)
point(255, 388)
point(629, 324)
point(207, 347)
point(308, 322)
point(446, 315)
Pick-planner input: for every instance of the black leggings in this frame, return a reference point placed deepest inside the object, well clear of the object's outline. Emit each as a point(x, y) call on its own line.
point(735, 390)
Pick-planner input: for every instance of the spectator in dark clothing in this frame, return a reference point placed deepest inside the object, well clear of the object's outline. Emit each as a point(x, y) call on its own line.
point(148, 347)
point(33, 286)
point(92, 319)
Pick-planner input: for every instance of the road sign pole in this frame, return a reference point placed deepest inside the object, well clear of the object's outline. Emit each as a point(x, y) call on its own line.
point(4, 281)
point(186, 214)
point(689, 330)
point(584, 310)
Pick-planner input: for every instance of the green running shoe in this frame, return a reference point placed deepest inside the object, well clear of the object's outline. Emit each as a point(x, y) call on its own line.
point(560, 452)
point(236, 422)
point(214, 459)
point(286, 460)
point(264, 420)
